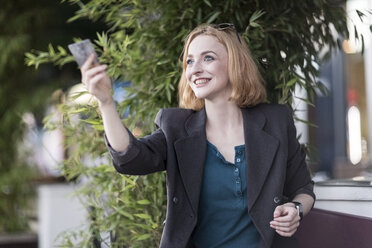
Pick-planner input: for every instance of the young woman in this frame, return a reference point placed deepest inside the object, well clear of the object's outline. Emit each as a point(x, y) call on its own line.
point(236, 174)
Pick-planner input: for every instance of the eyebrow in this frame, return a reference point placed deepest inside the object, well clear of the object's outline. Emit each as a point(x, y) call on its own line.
point(203, 53)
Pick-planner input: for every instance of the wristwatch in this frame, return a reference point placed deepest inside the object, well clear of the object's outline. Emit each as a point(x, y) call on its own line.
point(299, 209)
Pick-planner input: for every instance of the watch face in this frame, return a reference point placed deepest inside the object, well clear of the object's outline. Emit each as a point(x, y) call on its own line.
point(299, 209)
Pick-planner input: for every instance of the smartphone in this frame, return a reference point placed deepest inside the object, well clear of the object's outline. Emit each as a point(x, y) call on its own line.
point(81, 51)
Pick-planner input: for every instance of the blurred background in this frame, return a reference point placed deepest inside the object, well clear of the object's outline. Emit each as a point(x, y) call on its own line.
point(30, 156)
point(343, 139)
point(36, 202)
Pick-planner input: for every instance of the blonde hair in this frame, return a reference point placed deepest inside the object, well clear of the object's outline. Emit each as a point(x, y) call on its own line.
point(247, 83)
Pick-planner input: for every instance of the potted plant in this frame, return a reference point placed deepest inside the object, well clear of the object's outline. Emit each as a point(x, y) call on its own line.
point(142, 45)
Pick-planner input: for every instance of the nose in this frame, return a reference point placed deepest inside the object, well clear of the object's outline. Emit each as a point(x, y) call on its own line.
point(196, 68)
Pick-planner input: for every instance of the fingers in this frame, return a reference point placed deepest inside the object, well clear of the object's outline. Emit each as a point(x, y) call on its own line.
point(88, 71)
point(95, 70)
point(286, 220)
point(285, 211)
point(89, 75)
point(88, 63)
point(93, 81)
point(279, 211)
point(96, 80)
point(287, 232)
point(285, 224)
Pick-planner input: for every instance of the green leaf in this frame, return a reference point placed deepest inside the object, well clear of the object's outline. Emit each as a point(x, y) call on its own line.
point(207, 3)
point(356, 32)
point(143, 237)
point(125, 213)
point(199, 15)
point(143, 216)
point(144, 202)
point(92, 122)
point(256, 15)
point(77, 111)
point(213, 17)
point(361, 15)
point(291, 82)
point(51, 50)
point(254, 24)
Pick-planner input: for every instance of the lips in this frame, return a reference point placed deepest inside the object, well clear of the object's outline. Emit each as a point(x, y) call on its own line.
point(201, 81)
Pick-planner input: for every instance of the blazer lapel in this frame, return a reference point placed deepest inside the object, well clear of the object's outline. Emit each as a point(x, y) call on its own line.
point(260, 148)
point(191, 152)
point(260, 151)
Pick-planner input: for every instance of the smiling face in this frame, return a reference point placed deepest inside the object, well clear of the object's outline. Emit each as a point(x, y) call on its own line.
point(207, 68)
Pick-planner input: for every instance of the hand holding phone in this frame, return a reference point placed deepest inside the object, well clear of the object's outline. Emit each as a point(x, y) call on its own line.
point(93, 75)
point(81, 51)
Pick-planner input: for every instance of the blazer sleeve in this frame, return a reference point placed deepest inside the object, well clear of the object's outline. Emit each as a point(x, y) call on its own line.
point(143, 156)
point(298, 179)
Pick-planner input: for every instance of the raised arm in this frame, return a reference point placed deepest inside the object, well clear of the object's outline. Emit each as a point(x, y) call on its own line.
point(97, 82)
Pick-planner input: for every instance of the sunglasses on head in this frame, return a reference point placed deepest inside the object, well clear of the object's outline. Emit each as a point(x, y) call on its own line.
point(224, 26)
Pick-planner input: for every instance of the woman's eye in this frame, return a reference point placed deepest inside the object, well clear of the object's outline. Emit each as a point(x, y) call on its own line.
point(189, 61)
point(208, 58)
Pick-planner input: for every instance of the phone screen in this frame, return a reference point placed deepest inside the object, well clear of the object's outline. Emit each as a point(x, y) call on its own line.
point(81, 51)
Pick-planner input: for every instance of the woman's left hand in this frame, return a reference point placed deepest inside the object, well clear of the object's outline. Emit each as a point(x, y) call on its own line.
point(286, 219)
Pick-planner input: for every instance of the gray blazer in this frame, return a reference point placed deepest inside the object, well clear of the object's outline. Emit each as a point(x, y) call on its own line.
point(276, 168)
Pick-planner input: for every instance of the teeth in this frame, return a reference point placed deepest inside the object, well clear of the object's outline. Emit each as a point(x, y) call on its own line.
point(201, 81)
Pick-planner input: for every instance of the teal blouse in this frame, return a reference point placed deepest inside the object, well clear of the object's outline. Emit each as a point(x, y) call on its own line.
point(223, 219)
